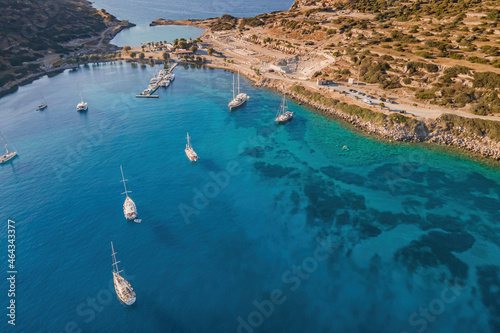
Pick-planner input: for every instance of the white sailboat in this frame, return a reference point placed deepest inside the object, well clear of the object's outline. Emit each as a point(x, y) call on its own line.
point(129, 208)
point(124, 290)
point(283, 115)
point(190, 153)
point(238, 99)
point(42, 106)
point(8, 154)
point(82, 106)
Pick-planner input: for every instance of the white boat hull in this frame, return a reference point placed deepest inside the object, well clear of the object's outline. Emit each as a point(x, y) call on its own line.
point(191, 155)
point(129, 209)
point(238, 101)
point(7, 157)
point(124, 290)
point(284, 118)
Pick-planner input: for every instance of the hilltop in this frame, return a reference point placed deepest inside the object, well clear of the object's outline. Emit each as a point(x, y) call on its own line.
point(437, 60)
point(35, 35)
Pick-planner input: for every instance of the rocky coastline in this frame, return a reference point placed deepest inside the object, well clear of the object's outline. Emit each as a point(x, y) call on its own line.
point(429, 130)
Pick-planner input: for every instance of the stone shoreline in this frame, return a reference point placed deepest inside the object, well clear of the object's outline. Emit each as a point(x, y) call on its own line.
point(479, 145)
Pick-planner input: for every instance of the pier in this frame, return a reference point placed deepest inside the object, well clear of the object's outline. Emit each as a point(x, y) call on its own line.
point(164, 74)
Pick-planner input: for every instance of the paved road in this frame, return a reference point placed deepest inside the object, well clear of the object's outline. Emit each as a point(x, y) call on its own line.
point(337, 90)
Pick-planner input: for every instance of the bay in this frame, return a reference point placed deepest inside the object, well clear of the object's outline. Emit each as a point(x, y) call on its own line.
point(354, 234)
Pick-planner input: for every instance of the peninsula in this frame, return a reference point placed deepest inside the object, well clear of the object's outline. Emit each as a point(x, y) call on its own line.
point(414, 71)
point(38, 38)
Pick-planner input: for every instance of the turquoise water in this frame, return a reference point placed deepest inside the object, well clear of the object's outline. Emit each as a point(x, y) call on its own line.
point(144, 12)
point(275, 229)
point(144, 33)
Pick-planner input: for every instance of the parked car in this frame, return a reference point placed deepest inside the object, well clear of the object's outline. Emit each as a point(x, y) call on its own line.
point(367, 101)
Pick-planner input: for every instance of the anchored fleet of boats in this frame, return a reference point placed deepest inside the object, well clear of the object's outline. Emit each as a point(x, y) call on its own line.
point(124, 290)
point(163, 79)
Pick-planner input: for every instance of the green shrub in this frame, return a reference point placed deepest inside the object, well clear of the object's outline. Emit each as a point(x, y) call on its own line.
point(487, 80)
point(489, 128)
point(365, 114)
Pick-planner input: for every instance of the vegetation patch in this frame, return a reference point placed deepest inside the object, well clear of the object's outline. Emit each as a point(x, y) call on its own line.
point(480, 127)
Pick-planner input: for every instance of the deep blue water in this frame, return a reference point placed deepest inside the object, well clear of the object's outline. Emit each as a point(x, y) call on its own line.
point(145, 11)
point(397, 221)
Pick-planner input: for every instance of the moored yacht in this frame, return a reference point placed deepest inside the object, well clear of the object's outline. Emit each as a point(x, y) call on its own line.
point(238, 99)
point(82, 106)
point(129, 208)
point(124, 290)
point(42, 106)
point(283, 115)
point(8, 154)
point(190, 153)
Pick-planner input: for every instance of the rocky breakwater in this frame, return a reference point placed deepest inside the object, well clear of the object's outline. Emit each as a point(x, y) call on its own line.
point(395, 126)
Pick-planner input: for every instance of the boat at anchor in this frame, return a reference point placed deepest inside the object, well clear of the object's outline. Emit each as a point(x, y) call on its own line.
point(190, 153)
point(124, 290)
point(238, 99)
point(283, 115)
point(129, 208)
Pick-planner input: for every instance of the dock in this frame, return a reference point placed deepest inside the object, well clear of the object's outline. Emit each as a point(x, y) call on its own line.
point(156, 85)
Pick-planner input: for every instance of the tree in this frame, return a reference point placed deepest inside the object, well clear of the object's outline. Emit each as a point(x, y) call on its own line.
point(85, 57)
point(132, 54)
point(382, 105)
point(126, 49)
point(182, 44)
point(194, 48)
point(165, 55)
point(210, 50)
point(141, 55)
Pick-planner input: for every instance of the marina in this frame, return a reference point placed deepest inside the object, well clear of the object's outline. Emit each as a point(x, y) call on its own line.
point(163, 79)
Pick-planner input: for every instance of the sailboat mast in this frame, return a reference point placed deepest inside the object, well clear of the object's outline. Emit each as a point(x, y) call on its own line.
point(123, 180)
point(6, 149)
point(233, 87)
point(238, 81)
point(189, 144)
point(115, 263)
